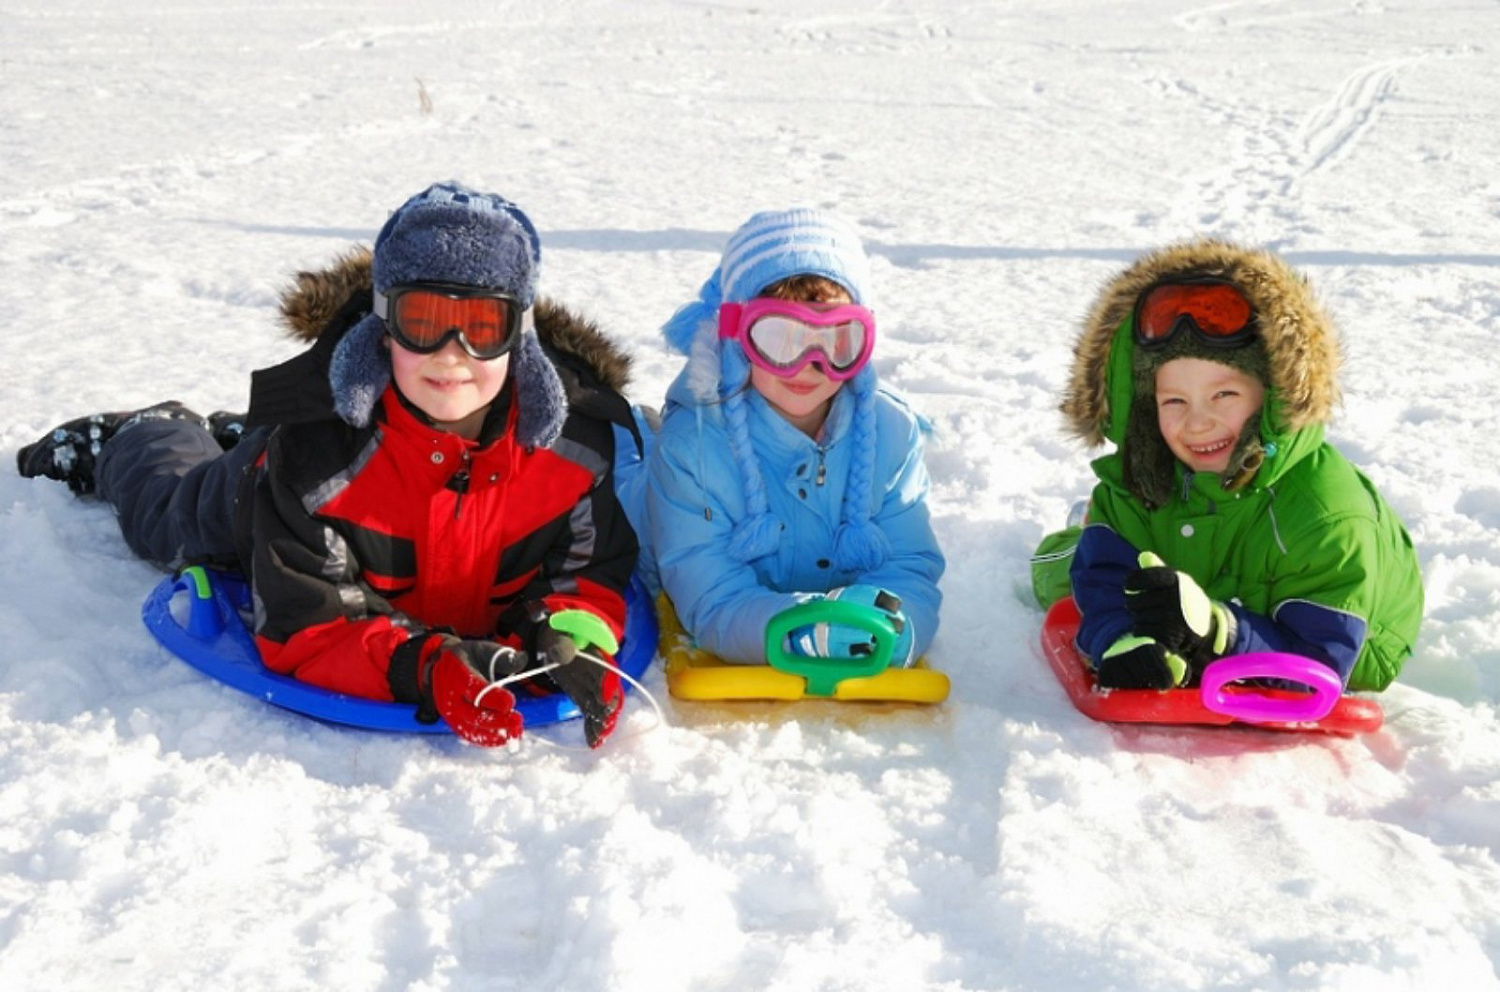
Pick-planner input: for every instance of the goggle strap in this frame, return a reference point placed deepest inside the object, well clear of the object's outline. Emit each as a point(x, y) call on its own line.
point(729, 320)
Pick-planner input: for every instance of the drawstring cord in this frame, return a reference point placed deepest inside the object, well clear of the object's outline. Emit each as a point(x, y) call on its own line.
point(602, 663)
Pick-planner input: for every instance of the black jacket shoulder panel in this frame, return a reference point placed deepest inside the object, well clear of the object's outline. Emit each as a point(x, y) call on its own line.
point(306, 455)
point(298, 389)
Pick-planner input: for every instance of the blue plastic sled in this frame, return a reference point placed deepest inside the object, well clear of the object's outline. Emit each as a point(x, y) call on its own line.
point(214, 640)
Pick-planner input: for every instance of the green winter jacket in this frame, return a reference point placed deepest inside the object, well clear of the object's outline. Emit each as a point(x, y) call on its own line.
point(1308, 528)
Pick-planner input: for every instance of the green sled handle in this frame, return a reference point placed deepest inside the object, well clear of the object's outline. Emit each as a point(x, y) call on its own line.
point(586, 629)
point(824, 674)
point(203, 619)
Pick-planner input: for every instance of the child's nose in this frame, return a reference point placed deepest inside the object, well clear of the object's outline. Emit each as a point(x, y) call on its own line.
point(450, 352)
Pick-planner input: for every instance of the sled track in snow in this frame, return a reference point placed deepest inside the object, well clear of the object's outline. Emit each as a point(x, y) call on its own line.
point(1334, 126)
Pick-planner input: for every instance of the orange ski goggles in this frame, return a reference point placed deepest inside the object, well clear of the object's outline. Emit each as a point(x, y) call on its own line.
point(424, 317)
point(1213, 310)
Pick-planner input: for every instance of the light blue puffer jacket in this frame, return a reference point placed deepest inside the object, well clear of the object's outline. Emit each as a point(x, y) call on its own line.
point(695, 495)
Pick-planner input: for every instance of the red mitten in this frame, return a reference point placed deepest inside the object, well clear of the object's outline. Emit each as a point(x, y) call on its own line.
point(456, 679)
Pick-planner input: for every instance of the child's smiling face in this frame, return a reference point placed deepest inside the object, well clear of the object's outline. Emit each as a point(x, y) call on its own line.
point(803, 399)
point(451, 386)
point(1201, 408)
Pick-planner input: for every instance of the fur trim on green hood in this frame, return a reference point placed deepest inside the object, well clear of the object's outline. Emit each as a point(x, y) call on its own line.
point(1299, 340)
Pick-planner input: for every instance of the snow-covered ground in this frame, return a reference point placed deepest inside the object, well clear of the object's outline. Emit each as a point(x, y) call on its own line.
point(164, 168)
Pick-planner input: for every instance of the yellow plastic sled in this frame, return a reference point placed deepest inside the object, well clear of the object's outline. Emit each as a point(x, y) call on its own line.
point(694, 674)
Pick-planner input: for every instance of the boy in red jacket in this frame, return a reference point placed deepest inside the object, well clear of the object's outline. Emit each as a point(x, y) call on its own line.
point(418, 493)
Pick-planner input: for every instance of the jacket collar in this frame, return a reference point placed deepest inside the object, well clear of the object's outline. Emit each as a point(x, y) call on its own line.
point(442, 454)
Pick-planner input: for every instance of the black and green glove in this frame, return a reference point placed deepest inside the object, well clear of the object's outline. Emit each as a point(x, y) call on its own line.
point(1136, 662)
point(595, 688)
point(1171, 609)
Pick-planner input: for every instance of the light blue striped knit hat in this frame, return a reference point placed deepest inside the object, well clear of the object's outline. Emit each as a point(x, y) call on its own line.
point(767, 248)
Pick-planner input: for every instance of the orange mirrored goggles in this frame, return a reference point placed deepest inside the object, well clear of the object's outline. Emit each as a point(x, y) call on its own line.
point(1215, 311)
point(423, 317)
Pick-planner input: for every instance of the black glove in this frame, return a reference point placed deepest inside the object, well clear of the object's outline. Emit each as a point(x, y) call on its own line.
point(595, 688)
point(1135, 662)
point(1170, 608)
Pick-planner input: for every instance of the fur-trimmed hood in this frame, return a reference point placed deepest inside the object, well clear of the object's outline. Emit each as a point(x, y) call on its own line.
point(343, 372)
point(1300, 341)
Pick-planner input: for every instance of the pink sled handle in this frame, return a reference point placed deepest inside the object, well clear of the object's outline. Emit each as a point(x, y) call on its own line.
point(1252, 706)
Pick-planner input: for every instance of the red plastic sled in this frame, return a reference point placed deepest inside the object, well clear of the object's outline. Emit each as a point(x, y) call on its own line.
point(1350, 716)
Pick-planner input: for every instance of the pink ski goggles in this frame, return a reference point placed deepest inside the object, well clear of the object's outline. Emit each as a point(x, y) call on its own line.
point(782, 337)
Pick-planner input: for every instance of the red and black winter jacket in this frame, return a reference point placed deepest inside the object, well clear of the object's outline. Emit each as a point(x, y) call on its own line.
point(366, 543)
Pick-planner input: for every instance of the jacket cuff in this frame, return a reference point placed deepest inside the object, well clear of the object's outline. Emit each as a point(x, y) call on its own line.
point(403, 675)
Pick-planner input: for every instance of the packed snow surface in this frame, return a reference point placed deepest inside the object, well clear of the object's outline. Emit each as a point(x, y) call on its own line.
point(168, 167)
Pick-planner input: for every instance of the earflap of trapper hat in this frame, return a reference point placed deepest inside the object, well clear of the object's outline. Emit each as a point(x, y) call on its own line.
point(1149, 465)
point(359, 371)
point(449, 233)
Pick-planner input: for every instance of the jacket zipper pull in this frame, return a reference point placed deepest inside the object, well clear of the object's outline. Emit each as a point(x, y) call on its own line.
point(460, 485)
point(822, 468)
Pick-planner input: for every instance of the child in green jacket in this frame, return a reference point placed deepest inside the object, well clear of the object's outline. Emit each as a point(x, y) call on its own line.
point(1224, 523)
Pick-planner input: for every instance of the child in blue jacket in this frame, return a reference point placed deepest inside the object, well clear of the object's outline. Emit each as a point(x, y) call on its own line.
point(782, 472)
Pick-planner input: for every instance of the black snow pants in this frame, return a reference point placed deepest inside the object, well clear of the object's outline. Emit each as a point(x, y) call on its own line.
point(175, 490)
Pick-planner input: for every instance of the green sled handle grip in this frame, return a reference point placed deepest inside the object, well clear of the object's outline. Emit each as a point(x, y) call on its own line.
point(586, 629)
point(824, 674)
point(203, 619)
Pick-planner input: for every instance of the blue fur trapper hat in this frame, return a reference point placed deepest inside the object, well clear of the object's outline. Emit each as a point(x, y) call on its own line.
point(767, 248)
point(449, 233)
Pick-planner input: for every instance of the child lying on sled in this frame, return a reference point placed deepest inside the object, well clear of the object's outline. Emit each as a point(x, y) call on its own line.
point(1223, 523)
point(432, 491)
point(782, 473)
